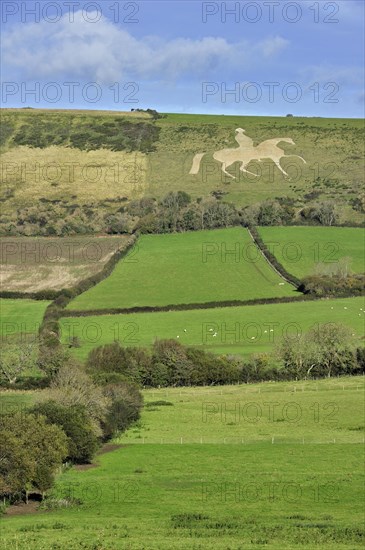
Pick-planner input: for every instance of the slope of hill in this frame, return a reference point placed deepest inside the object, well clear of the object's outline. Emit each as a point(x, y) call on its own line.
point(97, 161)
point(187, 268)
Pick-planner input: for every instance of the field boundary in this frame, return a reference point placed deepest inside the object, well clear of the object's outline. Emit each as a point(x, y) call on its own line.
point(187, 307)
point(271, 259)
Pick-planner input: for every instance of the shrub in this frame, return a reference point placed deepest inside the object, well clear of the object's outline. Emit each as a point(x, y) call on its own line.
point(82, 442)
point(125, 405)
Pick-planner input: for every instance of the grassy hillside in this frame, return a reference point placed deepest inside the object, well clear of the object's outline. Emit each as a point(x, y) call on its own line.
point(121, 156)
point(21, 317)
point(300, 249)
point(240, 330)
point(244, 495)
point(195, 267)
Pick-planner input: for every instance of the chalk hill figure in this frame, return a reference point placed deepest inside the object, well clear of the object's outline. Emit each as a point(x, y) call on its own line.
point(246, 152)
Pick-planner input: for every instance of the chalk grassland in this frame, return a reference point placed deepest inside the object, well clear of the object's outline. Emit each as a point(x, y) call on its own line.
point(21, 317)
point(240, 330)
point(60, 174)
point(243, 495)
point(31, 264)
point(74, 157)
point(300, 249)
point(157, 156)
point(195, 267)
point(333, 149)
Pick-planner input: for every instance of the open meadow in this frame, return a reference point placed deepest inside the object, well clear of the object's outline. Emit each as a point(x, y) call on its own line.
point(265, 465)
point(241, 330)
point(21, 317)
point(185, 268)
point(300, 249)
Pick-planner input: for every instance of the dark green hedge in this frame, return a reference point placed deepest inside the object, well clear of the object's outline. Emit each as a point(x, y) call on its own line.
point(272, 259)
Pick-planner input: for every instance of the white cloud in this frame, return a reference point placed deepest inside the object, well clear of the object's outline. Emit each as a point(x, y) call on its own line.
point(272, 46)
point(106, 53)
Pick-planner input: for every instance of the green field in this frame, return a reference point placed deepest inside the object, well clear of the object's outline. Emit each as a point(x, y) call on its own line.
point(247, 492)
point(240, 330)
point(31, 264)
point(21, 317)
point(287, 412)
point(185, 268)
point(15, 401)
point(299, 249)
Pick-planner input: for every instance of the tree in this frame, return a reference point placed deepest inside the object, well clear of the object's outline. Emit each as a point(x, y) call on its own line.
point(132, 363)
point(36, 450)
point(51, 359)
point(300, 355)
point(326, 212)
point(325, 349)
point(74, 421)
point(125, 405)
point(72, 386)
point(16, 464)
point(334, 347)
point(15, 359)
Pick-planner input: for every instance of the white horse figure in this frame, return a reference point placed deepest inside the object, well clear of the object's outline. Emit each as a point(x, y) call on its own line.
point(246, 152)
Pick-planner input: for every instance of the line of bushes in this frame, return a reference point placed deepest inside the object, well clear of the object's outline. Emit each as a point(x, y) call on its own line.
point(169, 363)
point(272, 259)
point(186, 307)
point(325, 285)
point(49, 329)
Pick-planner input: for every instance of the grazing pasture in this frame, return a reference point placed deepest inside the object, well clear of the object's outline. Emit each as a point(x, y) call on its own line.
point(239, 330)
point(185, 268)
point(21, 317)
point(281, 494)
point(301, 249)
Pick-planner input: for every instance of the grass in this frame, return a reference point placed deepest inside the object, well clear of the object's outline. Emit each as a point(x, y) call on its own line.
point(241, 496)
point(333, 149)
point(318, 411)
point(31, 264)
point(196, 267)
point(235, 326)
point(12, 402)
point(21, 317)
point(299, 249)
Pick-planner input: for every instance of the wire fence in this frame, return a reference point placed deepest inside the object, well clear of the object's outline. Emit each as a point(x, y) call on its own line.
point(272, 440)
point(247, 389)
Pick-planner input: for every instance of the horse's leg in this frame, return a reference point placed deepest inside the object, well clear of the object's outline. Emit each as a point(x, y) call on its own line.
point(243, 169)
point(277, 162)
point(223, 167)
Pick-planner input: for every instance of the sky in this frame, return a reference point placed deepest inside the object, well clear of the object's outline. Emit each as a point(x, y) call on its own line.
point(259, 57)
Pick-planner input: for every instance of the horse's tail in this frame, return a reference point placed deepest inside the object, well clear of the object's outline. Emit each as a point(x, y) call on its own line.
point(196, 163)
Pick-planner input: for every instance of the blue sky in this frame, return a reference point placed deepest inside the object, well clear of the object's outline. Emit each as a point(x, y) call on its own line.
point(249, 57)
